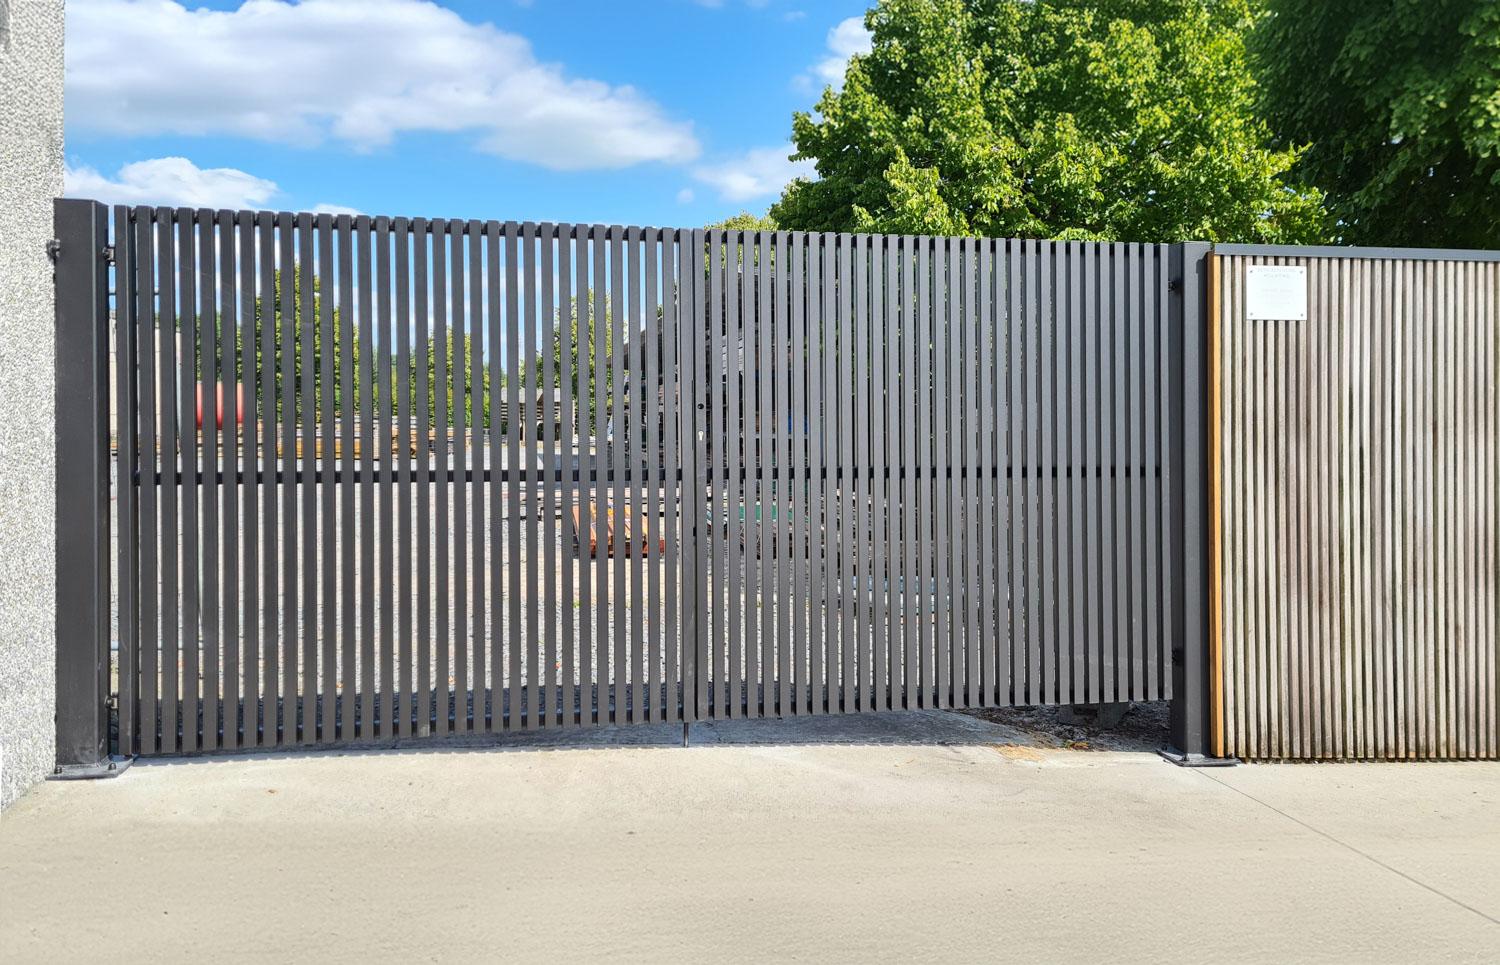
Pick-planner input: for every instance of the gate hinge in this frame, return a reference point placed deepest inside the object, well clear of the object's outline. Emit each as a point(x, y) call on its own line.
point(54, 249)
point(108, 253)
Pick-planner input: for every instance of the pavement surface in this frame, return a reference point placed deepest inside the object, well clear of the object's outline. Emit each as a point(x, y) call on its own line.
point(903, 836)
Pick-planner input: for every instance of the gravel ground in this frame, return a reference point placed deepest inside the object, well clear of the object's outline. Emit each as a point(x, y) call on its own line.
point(1145, 727)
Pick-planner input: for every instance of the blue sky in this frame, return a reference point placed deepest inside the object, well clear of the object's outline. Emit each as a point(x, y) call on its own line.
point(667, 112)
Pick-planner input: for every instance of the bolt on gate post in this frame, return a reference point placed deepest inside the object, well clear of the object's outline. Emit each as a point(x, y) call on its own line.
point(81, 274)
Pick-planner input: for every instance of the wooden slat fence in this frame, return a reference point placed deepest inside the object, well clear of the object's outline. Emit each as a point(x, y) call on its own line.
point(1355, 469)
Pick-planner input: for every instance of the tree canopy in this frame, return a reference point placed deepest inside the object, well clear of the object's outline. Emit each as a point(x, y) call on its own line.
point(745, 221)
point(1400, 103)
point(1123, 119)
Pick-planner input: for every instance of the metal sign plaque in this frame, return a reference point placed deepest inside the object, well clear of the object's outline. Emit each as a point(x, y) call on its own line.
point(1276, 293)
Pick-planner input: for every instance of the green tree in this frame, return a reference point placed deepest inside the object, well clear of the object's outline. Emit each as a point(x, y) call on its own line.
point(289, 341)
point(579, 352)
point(1088, 119)
point(745, 221)
point(459, 383)
point(1400, 102)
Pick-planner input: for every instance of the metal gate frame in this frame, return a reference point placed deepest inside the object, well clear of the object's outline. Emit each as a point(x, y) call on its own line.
point(86, 700)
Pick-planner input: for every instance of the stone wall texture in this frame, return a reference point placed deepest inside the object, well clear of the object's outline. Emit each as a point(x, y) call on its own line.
point(31, 175)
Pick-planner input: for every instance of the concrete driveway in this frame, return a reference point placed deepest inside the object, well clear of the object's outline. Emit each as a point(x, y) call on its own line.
point(915, 836)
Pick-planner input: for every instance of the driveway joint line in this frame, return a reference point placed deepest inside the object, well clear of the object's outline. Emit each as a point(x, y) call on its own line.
point(1344, 844)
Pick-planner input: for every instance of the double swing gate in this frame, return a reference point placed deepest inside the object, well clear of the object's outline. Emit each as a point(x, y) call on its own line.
point(365, 479)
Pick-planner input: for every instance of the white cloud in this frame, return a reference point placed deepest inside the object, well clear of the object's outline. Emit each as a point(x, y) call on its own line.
point(758, 173)
point(847, 38)
point(685, 196)
point(359, 71)
point(335, 209)
point(170, 181)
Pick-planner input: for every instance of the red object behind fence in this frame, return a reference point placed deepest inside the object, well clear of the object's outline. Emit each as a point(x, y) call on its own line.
point(239, 405)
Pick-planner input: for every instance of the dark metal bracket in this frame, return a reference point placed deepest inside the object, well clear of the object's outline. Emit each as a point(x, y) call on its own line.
point(112, 766)
point(1175, 756)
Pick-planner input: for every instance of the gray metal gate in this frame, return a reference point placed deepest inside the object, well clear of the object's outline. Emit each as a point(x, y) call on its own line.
point(385, 478)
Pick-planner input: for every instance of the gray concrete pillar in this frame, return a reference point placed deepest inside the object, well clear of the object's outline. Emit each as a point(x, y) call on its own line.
point(31, 175)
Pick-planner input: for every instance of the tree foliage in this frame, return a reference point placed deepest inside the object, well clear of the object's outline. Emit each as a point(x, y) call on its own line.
point(1400, 102)
point(580, 352)
point(317, 376)
point(745, 221)
point(1121, 119)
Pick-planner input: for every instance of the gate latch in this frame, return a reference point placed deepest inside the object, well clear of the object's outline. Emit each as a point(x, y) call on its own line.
point(54, 249)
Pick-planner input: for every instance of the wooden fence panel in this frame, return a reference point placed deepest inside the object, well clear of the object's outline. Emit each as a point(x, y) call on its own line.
point(1355, 525)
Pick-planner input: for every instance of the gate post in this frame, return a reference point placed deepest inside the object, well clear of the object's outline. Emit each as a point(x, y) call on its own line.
point(1192, 705)
point(81, 277)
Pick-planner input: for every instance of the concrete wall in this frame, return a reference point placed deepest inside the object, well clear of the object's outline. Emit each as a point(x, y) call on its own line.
point(31, 175)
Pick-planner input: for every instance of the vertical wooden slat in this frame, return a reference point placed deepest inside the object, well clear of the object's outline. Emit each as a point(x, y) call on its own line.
point(546, 380)
point(329, 608)
point(842, 402)
point(1093, 484)
point(677, 407)
point(1033, 351)
point(995, 464)
point(769, 484)
point(705, 257)
point(817, 532)
point(881, 333)
point(348, 543)
point(583, 297)
point(788, 305)
point(734, 383)
point(228, 684)
point(267, 470)
point(487, 673)
point(127, 477)
point(1148, 462)
point(653, 485)
point(1284, 467)
point(148, 326)
point(215, 287)
point(617, 431)
point(444, 657)
point(245, 412)
point(464, 462)
point(798, 421)
point(422, 431)
point(696, 633)
point(514, 660)
point(401, 464)
point(307, 511)
point(173, 584)
point(753, 273)
point(1216, 589)
point(855, 355)
point(1064, 391)
point(1044, 685)
point(943, 533)
point(290, 469)
point(567, 457)
point(180, 452)
point(972, 423)
point(383, 387)
point(912, 604)
point(634, 429)
point(599, 496)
